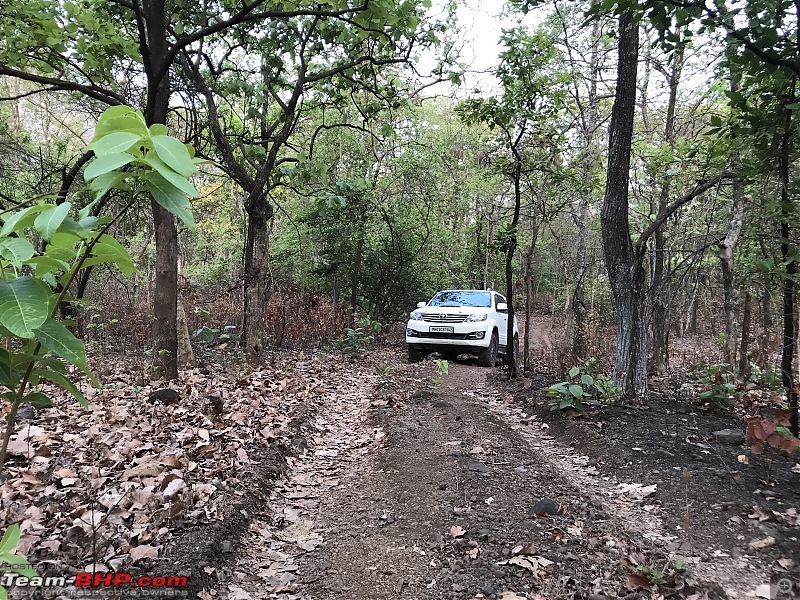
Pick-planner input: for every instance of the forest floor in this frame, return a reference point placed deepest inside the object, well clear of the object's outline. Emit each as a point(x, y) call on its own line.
point(324, 477)
point(472, 488)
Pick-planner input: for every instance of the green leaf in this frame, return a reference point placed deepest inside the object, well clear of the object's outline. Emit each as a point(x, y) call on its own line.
point(102, 184)
point(16, 559)
point(158, 129)
point(22, 219)
point(576, 391)
point(179, 181)
point(113, 143)
point(16, 250)
point(565, 403)
point(48, 222)
point(57, 338)
point(107, 163)
point(38, 399)
point(64, 383)
point(174, 153)
point(109, 250)
point(587, 379)
point(574, 371)
point(10, 540)
point(24, 305)
point(170, 197)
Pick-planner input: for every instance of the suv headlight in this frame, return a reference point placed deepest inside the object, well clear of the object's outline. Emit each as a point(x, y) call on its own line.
point(475, 318)
point(416, 316)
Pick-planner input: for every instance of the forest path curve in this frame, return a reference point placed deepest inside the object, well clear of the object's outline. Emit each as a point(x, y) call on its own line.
point(417, 490)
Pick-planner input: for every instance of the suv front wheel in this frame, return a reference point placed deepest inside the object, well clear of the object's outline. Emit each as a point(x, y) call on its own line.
point(488, 356)
point(415, 355)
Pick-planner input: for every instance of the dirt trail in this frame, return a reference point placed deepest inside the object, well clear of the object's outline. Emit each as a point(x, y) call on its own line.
point(404, 488)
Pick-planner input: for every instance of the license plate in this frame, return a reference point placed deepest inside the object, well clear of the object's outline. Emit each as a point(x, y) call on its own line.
point(437, 329)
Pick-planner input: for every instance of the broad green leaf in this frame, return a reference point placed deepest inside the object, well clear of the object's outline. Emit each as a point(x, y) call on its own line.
point(174, 153)
point(10, 540)
point(104, 183)
point(119, 141)
point(576, 391)
point(587, 379)
point(158, 129)
point(16, 250)
point(64, 383)
point(16, 559)
point(170, 197)
point(120, 118)
point(179, 181)
point(57, 338)
point(38, 399)
point(24, 305)
point(22, 219)
point(64, 239)
point(574, 371)
point(107, 163)
point(9, 377)
point(48, 222)
point(109, 250)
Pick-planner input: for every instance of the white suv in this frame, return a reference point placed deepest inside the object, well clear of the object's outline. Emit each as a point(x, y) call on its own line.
point(460, 321)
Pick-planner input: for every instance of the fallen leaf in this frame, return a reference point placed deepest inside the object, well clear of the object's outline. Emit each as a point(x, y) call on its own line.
point(762, 543)
point(140, 552)
point(456, 531)
point(637, 582)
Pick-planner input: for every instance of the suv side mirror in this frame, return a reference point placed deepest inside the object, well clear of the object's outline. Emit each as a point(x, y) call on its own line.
point(502, 307)
point(421, 304)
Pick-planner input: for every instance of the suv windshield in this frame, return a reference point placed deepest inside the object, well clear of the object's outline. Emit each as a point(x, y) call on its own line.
point(456, 298)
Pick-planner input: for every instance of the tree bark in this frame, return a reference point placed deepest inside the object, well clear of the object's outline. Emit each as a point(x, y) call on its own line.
point(744, 346)
point(529, 298)
point(257, 279)
point(580, 341)
point(165, 298)
point(787, 216)
point(623, 263)
point(656, 302)
point(511, 351)
point(727, 247)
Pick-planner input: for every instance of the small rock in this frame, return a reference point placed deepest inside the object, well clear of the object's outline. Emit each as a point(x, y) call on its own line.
point(165, 396)
point(300, 442)
point(442, 486)
point(547, 507)
point(478, 467)
point(729, 436)
point(521, 469)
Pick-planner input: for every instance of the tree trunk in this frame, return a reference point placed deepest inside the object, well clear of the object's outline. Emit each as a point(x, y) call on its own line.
point(589, 164)
point(257, 283)
point(787, 254)
point(356, 274)
point(580, 343)
point(727, 247)
point(165, 298)
point(657, 306)
point(744, 347)
point(529, 297)
point(511, 351)
point(624, 266)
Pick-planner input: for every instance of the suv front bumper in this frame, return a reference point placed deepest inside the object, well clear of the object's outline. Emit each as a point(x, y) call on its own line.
point(463, 335)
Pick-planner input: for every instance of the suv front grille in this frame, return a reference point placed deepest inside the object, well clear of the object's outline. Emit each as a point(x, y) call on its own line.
point(443, 318)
